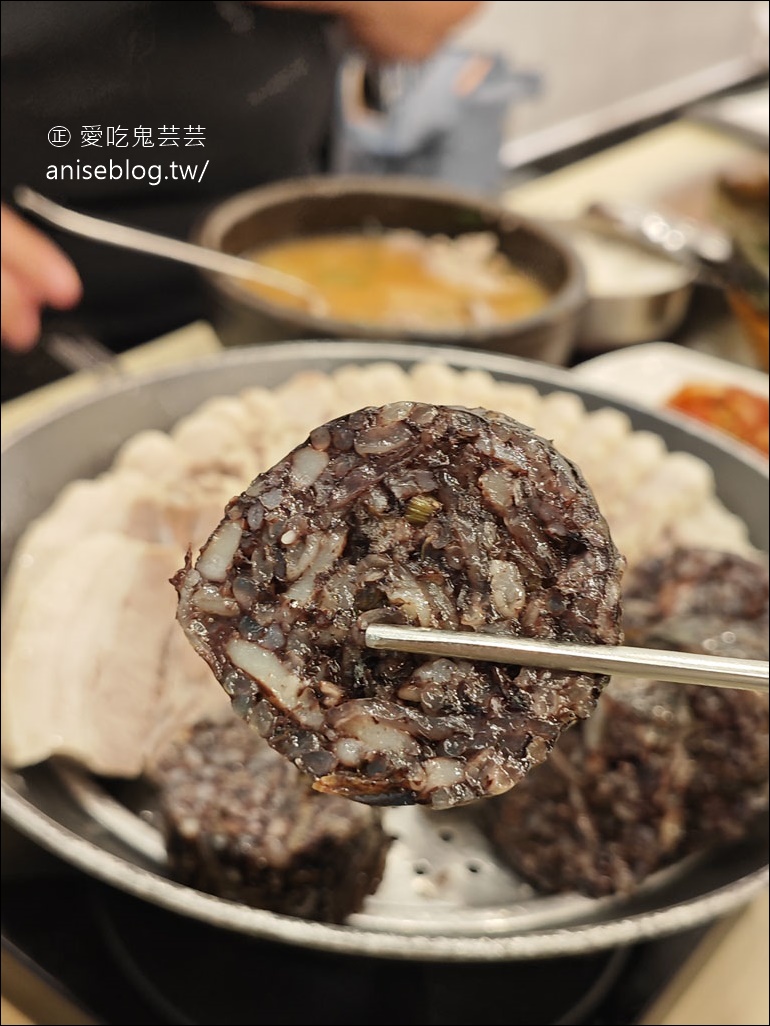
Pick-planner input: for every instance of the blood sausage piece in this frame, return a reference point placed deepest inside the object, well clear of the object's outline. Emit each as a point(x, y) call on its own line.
point(414, 514)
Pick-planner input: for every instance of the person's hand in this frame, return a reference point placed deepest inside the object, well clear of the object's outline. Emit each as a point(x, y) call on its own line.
point(34, 273)
point(393, 29)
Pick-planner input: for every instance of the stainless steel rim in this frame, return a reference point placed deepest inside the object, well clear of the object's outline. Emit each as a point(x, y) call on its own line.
point(347, 940)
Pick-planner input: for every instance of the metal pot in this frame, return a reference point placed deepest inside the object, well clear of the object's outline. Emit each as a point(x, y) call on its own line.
point(71, 814)
point(624, 307)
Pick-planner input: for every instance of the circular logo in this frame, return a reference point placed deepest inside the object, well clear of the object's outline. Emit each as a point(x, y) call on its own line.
point(59, 135)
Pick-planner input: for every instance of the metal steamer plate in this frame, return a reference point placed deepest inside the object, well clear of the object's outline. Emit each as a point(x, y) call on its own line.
point(444, 895)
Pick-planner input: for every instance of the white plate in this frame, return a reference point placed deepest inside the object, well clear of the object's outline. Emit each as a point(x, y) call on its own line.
point(468, 908)
point(651, 374)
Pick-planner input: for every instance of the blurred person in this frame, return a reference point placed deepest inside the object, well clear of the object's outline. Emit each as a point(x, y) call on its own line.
point(243, 93)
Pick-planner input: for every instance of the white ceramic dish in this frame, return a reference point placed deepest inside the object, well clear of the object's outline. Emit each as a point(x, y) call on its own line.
point(650, 373)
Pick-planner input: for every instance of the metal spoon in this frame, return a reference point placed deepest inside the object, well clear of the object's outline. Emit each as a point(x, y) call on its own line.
point(162, 246)
point(649, 663)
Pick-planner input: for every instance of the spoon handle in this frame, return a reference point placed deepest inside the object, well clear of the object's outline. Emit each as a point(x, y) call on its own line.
point(141, 241)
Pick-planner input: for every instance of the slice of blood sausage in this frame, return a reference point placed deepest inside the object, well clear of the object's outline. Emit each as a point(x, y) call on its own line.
point(414, 514)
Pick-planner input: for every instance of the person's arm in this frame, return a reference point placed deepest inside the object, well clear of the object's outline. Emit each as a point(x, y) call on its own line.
point(34, 273)
point(392, 29)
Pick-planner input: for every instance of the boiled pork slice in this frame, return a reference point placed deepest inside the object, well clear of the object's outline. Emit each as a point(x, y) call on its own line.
point(95, 668)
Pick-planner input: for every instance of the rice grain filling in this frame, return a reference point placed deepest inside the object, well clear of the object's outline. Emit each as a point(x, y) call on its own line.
point(416, 514)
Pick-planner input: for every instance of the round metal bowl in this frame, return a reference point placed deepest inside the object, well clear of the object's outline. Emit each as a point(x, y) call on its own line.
point(612, 322)
point(457, 913)
point(631, 312)
point(310, 206)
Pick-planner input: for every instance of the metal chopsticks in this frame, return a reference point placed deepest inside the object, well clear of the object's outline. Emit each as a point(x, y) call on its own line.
point(649, 663)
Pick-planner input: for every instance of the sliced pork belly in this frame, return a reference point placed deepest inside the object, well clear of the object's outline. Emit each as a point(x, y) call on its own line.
point(90, 672)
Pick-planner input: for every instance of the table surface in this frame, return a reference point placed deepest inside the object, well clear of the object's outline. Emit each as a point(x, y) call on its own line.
point(726, 979)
